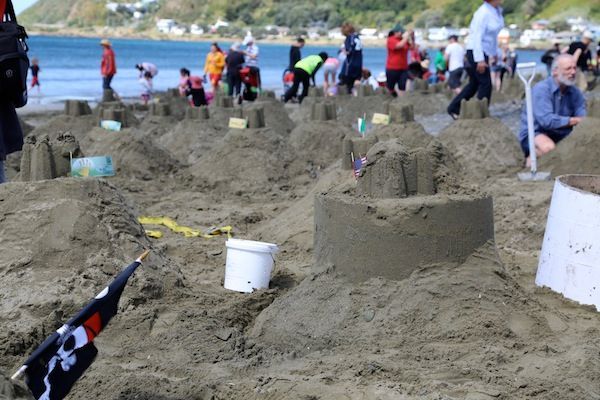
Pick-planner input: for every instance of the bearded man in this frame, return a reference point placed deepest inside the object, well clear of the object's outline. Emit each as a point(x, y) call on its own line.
point(557, 107)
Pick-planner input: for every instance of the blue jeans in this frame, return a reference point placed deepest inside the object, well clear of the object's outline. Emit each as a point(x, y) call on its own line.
point(2, 174)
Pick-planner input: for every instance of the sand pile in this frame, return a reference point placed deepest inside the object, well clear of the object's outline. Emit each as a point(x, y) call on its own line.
point(56, 126)
point(62, 241)
point(411, 134)
point(249, 161)
point(190, 139)
point(276, 116)
point(12, 391)
point(448, 331)
point(315, 146)
point(482, 147)
point(577, 154)
point(133, 156)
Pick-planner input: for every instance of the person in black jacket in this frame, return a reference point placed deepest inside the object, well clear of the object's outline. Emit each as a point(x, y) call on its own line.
point(295, 53)
point(11, 135)
point(234, 62)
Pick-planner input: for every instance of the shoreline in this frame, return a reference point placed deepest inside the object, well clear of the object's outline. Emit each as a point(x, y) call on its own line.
point(126, 34)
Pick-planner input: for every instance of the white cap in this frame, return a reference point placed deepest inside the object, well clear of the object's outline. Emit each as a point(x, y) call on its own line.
point(382, 77)
point(587, 35)
point(248, 39)
point(236, 46)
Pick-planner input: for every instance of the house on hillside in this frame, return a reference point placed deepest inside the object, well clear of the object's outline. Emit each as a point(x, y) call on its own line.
point(165, 25)
point(368, 33)
point(441, 34)
point(196, 29)
point(219, 24)
point(336, 34)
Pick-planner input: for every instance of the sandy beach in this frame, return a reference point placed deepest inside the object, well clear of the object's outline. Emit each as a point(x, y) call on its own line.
point(412, 326)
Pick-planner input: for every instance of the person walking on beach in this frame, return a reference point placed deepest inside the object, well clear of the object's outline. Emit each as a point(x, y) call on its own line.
point(396, 66)
point(481, 48)
point(214, 65)
point(583, 56)
point(234, 62)
point(108, 66)
point(35, 70)
point(549, 56)
point(304, 71)
point(352, 68)
point(295, 52)
point(455, 56)
point(251, 57)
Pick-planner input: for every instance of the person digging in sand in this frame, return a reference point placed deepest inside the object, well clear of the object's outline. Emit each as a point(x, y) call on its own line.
point(558, 105)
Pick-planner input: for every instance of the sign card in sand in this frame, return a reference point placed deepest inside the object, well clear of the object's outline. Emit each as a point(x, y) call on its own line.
point(92, 166)
point(110, 125)
point(381, 119)
point(238, 123)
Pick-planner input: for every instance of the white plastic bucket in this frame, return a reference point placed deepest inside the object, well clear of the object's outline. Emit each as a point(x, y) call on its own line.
point(570, 259)
point(249, 265)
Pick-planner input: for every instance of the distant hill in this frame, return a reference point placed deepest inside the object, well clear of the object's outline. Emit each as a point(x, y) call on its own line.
point(372, 13)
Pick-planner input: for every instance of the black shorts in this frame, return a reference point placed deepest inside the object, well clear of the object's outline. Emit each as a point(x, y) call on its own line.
point(455, 78)
point(525, 141)
point(396, 77)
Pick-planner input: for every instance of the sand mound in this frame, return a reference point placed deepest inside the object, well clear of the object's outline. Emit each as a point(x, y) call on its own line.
point(315, 145)
point(191, 139)
point(276, 116)
point(56, 126)
point(62, 241)
point(133, 156)
point(246, 161)
point(577, 154)
point(446, 323)
point(411, 134)
point(12, 391)
point(482, 147)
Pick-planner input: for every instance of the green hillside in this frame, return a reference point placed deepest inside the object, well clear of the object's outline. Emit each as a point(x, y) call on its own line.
point(379, 13)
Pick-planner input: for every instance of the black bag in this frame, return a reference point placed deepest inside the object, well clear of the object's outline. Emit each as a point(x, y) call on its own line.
point(14, 63)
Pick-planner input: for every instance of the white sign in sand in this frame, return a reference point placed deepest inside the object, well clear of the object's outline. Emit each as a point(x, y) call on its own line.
point(238, 123)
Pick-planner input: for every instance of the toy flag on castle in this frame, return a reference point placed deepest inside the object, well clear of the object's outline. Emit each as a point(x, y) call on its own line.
point(358, 164)
point(55, 366)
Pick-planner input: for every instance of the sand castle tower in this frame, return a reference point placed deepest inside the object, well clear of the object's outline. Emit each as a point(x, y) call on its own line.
point(405, 212)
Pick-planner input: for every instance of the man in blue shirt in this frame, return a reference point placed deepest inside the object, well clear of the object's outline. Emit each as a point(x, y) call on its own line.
point(557, 107)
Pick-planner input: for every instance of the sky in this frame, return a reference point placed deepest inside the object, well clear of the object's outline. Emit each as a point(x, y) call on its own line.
point(20, 5)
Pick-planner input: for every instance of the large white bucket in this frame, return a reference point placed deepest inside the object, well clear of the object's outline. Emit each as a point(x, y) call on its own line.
point(249, 265)
point(570, 258)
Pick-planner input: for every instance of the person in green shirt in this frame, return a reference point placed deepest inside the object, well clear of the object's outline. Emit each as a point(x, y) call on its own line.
point(304, 71)
point(440, 65)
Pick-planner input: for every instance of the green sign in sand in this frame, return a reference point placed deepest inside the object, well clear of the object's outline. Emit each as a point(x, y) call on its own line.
point(92, 166)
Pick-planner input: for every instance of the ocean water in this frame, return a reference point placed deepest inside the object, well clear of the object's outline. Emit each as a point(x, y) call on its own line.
point(70, 67)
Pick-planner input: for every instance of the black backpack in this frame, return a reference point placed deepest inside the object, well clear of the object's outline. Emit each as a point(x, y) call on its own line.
point(14, 63)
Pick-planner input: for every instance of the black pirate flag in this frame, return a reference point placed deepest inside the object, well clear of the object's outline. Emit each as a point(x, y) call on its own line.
point(59, 362)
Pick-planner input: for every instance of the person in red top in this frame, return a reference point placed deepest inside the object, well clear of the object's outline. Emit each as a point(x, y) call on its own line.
point(396, 66)
point(2, 8)
point(108, 67)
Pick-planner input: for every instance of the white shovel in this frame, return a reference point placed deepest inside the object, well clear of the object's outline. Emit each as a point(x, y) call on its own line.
point(524, 69)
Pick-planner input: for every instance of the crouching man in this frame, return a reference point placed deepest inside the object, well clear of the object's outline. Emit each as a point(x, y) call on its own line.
point(557, 107)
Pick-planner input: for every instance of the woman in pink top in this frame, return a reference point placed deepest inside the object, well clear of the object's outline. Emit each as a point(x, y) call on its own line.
point(330, 68)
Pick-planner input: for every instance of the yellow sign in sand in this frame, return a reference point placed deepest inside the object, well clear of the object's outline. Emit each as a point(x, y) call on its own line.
point(381, 119)
point(238, 123)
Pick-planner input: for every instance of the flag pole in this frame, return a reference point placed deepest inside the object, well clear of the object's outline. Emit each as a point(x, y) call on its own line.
point(17, 375)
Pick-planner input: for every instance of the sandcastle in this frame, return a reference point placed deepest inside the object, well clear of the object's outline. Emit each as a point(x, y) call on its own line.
point(474, 109)
point(76, 108)
point(403, 215)
point(46, 159)
point(323, 111)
